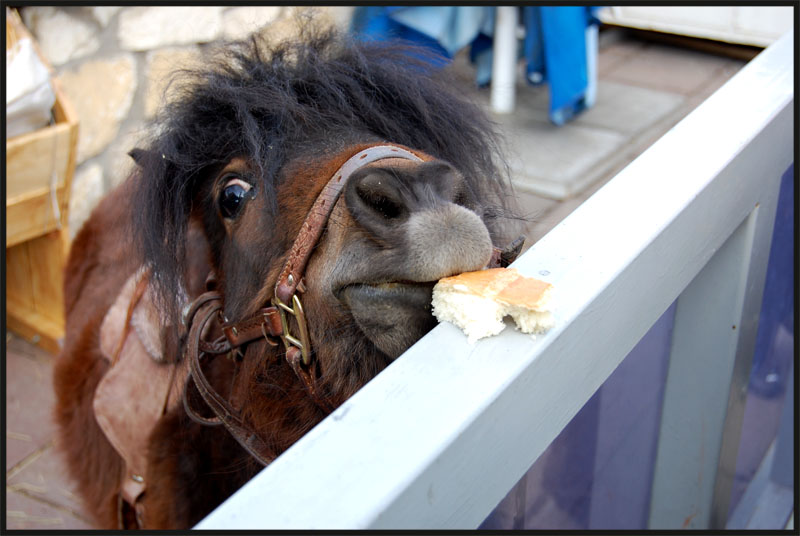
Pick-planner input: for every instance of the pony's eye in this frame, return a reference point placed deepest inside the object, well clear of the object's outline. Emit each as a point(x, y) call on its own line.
point(233, 196)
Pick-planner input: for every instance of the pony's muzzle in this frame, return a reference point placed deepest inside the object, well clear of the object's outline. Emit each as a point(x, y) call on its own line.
point(419, 205)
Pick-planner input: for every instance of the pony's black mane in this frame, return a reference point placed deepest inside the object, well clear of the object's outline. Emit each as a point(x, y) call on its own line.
point(315, 95)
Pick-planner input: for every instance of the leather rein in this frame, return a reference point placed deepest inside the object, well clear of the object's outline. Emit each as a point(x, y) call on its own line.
point(272, 322)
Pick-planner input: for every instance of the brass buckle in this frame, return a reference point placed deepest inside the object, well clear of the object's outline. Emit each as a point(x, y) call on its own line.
point(288, 339)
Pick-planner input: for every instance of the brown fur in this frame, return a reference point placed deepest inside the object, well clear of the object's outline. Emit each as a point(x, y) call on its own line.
point(98, 266)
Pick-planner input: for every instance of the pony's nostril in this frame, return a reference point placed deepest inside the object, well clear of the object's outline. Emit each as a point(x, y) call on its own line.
point(379, 197)
point(460, 198)
point(380, 204)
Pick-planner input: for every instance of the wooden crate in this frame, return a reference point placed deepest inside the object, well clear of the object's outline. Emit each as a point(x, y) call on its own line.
point(39, 170)
point(34, 289)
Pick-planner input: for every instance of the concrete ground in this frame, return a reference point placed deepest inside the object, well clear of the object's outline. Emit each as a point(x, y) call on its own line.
point(38, 493)
point(644, 88)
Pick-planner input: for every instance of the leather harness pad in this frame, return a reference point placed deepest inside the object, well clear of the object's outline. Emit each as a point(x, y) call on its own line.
point(137, 390)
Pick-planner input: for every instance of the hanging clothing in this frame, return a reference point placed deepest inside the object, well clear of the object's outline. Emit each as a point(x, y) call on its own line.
point(559, 47)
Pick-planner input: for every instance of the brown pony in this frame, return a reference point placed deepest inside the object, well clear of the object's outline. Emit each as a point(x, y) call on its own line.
point(218, 196)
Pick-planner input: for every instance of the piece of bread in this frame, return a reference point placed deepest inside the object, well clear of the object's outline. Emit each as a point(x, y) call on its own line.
point(478, 301)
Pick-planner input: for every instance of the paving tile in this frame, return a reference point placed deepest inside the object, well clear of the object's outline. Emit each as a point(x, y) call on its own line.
point(628, 109)
point(559, 162)
point(29, 400)
point(45, 478)
point(531, 98)
point(533, 206)
point(25, 513)
point(560, 210)
point(666, 69)
point(534, 209)
point(643, 88)
point(611, 55)
point(619, 107)
point(553, 161)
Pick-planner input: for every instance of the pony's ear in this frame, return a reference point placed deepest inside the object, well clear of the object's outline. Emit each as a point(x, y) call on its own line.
point(159, 222)
point(138, 155)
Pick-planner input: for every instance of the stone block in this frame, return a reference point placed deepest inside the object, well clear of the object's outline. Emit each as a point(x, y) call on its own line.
point(102, 93)
point(292, 18)
point(61, 33)
point(160, 66)
point(145, 28)
point(239, 22)
point(280, 30)
point(104, 14)
point(119, 163)
point(87, 190)
point(340, 15)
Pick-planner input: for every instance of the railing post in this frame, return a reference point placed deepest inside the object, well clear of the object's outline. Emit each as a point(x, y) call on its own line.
point(439, 437)
point(504, 60)
point(716, 322)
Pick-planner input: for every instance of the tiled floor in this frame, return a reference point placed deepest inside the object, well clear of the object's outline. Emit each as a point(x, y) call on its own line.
point(38, 493)
point(644, 88)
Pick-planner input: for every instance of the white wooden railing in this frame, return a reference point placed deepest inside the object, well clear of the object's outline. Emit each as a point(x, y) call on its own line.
point(440, 437)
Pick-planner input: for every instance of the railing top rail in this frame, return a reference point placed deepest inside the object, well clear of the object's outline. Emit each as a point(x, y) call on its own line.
point(440, 436)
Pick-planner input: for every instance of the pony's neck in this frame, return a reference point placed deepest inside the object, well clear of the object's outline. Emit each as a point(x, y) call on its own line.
point(274, 400)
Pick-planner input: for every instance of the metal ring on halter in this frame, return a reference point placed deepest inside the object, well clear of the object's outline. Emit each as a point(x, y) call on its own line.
point(288, 339)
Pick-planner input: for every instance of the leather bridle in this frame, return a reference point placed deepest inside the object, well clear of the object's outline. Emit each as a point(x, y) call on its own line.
point(272, 322)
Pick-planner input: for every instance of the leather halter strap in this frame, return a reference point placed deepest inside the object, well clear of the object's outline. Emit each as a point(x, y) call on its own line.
point(225, 413)
point(317, 217)
point(271, 321)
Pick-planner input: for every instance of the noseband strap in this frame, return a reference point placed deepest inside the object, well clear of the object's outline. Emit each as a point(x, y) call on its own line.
point(317, 217)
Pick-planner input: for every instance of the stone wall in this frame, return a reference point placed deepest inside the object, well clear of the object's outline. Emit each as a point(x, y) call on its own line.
point(113, 63)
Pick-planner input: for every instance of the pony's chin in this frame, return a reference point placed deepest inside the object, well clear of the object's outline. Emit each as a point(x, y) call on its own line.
point(392, 315)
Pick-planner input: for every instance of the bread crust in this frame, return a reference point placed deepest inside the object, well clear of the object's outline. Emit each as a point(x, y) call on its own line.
point(505, 285)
